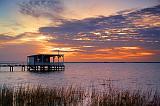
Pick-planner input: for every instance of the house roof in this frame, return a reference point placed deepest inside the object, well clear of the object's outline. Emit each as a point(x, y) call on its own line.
point(50, 55)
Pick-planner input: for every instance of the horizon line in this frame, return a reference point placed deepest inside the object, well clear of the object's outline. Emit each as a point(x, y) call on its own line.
point(4, 62)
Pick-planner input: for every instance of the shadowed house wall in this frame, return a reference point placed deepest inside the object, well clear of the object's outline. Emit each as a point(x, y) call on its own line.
point(44, 59)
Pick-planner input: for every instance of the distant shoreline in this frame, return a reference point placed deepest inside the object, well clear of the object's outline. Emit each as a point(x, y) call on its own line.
point(112, 62)
point(76, 62)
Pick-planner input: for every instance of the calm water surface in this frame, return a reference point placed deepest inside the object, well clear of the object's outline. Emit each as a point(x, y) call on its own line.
point(121, 75)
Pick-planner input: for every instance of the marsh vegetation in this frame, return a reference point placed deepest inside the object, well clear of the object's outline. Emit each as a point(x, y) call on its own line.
point(75, 96)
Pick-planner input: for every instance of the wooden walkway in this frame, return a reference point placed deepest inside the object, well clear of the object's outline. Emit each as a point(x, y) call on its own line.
point(33, 68)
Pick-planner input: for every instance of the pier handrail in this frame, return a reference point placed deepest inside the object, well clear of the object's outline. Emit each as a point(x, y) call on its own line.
point(12, 64)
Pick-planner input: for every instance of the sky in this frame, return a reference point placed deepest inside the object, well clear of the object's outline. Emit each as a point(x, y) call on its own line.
point(83, 30)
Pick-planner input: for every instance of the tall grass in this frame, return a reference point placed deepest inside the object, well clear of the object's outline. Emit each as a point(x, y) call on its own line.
point(75, 96)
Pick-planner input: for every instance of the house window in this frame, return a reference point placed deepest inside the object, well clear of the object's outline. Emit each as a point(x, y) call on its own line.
point(38, 60)
point(52, 59)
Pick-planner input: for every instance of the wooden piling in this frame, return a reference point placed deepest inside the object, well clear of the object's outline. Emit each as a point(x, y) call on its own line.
point(11, 68)
point(23, 67)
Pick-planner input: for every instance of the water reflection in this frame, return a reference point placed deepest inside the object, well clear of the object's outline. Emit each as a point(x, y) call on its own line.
point(120, 75)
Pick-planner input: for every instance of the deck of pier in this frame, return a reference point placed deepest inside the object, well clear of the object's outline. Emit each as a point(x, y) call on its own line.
point(45, 68)
point(39, 63)
point(34, 68)
point(11, 66)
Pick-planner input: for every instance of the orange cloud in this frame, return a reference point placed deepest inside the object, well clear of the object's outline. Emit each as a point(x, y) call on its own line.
point(113, 54)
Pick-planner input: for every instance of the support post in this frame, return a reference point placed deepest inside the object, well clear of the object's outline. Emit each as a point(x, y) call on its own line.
point(53, 59)
point(58, 60)
point(23, 68)
point(63, 59)
point(10, 68)
point(42, 59)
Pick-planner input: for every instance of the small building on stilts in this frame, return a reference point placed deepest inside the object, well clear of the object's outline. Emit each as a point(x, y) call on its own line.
point(45, 62)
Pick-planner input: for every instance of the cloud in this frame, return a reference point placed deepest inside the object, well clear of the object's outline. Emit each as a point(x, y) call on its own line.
point(150, 33)
point(130, 20)
point(18, 47)
point(86, 25)
point(124, 37)
point(126, 11)
point(4, 37)
point(153, 10)
point(132, 27)
point(42, 8)
point(139, 28)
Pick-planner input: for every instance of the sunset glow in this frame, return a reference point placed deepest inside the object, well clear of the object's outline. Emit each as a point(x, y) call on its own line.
point(83, 30)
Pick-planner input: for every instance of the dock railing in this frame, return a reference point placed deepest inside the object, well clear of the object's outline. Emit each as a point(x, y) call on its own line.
point(48, 63)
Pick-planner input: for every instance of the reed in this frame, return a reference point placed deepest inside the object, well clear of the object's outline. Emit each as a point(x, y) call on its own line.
point(75, 96)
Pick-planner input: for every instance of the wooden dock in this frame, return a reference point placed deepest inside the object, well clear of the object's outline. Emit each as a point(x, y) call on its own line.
point(45, 68)
point(34, 68)
point(12, 65)
point(39, 63)
point(45, 62)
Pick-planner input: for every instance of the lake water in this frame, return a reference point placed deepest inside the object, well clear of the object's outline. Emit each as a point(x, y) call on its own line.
point(120, 75)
